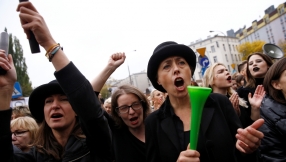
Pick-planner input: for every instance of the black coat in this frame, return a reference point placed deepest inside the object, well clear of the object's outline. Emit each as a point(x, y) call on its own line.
point(96, 146)
point(273, 145)
point(216, 141)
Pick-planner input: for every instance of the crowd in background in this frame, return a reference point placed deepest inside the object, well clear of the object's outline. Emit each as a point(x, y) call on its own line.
point(67, 119)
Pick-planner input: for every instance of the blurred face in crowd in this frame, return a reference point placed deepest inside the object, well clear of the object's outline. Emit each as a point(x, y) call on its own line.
point(107, 107)
point(21, 138)
point(222, 78)
point(158, 97)
point(130, 110)
point(257, 66)
point(58, 112)
point(14, 116)
point(243, 70)
point(234, 84)
point(280, 84)
point(174, 74)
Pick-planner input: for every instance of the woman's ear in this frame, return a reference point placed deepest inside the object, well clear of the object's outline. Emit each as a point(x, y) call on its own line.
point(158, 82)
point(275, 84)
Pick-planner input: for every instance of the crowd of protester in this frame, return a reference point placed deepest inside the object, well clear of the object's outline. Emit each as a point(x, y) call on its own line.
point(243, 118)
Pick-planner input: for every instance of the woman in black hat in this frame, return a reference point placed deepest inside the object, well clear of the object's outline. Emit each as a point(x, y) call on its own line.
point(170, 70)
point(73, 127)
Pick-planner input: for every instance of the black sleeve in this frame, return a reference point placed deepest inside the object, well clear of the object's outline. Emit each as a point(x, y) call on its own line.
point(245, 112)
point(7, 152)
point(232, 121)
point(88, 108)
point(229, 113)
point(152, 148)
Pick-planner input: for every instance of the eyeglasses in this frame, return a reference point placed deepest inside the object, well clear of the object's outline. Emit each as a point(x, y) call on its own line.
point(19, 133)
point(125, 109)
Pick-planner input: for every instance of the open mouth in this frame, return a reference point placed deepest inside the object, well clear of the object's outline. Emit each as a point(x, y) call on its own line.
point(228, 78)
point(56, 116)
point(179, 82)
point(255, 69)
point(133, 119)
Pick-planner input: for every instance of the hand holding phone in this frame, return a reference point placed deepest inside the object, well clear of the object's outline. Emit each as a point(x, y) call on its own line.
point(34, 45)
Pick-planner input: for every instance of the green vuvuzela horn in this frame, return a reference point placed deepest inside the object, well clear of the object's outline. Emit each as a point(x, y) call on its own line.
point(198, 97)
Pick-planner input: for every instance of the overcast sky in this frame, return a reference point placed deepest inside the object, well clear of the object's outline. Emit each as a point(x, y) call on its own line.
point(91, 30)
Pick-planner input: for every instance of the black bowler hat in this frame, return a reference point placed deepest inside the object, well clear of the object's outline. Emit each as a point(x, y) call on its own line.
point(38, 96)
point(165, 50)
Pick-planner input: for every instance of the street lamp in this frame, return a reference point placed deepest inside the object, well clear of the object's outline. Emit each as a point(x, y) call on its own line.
point(131, 83)
point(211, 31)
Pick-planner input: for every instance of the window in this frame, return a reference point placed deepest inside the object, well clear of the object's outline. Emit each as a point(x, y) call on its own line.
point(215, 59)
point(233, 47)
point(229, 47)
point(226, 58)
point(213, 49)
point(217, 45)
point(281, 10)
point(223, 47)
point(235, 58)
point(228, 68)
point(231, 57)
point(267, 20)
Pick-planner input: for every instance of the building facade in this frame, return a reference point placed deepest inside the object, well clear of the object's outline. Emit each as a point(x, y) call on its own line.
point(271, 28)
point(219, 49)
point(138, 80)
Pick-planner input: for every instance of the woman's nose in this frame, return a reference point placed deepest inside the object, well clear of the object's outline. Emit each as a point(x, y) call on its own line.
point(131, 111)
point(13, 137)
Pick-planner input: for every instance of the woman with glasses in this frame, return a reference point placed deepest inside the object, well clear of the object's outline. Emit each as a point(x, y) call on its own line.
point(24, 131)
point(129, 108)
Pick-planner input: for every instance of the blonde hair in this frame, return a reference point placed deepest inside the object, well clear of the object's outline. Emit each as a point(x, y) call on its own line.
point(108, 101)
point(208, 82)
point(152, 93)
point(26, 123)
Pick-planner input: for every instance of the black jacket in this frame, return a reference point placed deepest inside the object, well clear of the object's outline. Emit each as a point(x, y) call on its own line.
point(216, 141)
point(96, 146)
point(273, 145)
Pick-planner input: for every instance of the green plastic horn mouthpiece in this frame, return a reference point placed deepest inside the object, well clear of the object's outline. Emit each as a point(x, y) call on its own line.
point(198, 97)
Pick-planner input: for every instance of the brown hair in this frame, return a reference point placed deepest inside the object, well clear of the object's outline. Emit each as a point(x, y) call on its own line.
point(241, 65)
point(127, 89)
point(238, 80)
point(250, 78)
point(46, 142)
point(20, 111)
point(274, 73)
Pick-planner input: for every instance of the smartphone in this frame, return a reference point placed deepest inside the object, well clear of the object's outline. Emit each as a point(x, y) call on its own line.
point(34, 45)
